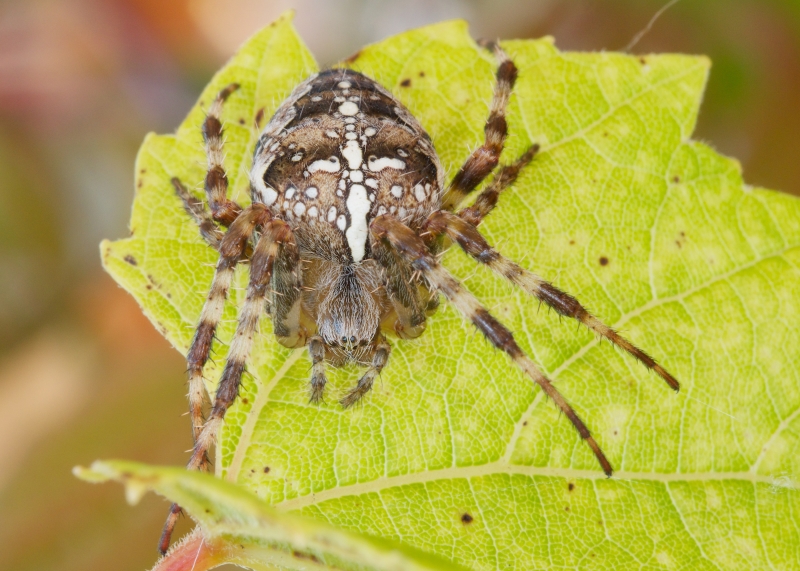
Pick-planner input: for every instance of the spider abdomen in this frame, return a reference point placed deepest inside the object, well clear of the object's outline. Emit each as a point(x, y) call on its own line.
point(340, 151)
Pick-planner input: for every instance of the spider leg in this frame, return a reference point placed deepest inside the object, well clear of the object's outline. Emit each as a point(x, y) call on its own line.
point(483, 159)
point(411, 247)
point(231, 249)
point(286, 299)
point(195, 208)
point(275, 241)
point(216, 183)
point(505, 177)
point(474, 244)
point(316, 349)
point(379, 360)
point(403, 293)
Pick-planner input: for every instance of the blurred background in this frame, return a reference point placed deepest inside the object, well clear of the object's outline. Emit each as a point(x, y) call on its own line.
point(83, 375)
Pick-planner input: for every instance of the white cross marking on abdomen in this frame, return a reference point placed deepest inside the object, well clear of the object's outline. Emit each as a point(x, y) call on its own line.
point(358, 206)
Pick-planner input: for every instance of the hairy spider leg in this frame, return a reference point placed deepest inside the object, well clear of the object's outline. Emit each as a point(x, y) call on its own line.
point(195, 208)
point(474, 244)
point(286, 300)
point(484, 159)
point(216, 184)
point(277, 240)
point(364, 385)
point(505, 177)
point(412, 248)
point(231, 248)
point(316, 349)
point(403, 293)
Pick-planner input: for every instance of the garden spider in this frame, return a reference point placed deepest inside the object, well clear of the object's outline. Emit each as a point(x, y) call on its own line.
point(349, 213)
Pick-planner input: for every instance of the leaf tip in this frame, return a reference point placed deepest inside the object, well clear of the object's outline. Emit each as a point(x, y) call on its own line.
point(97, 473)
point(287, 16)
point(136, 485)
point(85, 474)
point(105, 249)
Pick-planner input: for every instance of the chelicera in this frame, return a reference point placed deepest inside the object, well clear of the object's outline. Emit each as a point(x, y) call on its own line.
point(350, 210)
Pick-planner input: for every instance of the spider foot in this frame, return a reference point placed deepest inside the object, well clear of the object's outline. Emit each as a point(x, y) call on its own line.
point(318, 383)
point(362, 387)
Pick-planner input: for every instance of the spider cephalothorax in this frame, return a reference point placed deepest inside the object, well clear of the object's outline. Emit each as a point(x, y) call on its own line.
point(349, 211)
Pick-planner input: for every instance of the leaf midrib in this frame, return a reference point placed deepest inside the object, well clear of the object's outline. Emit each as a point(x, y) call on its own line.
point(501, 468)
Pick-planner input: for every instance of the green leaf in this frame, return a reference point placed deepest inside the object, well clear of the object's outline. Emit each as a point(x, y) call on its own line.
point(238, 527)
point(656, 233)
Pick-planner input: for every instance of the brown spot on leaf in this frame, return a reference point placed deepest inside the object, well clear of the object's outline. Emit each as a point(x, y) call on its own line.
point(422, 74)
point(259, 117)
point(603, 261)
point(131, 260)
point(245, 401)
point(676, 179)
point(570, 486)
point(241, 121)
point(525, 423)
point(266, 469)
point(406, 82)
point(466, 518)
point(309, 556)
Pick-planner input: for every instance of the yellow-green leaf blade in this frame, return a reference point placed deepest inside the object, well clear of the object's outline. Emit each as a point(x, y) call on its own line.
point(657, 234)
point(260, 533)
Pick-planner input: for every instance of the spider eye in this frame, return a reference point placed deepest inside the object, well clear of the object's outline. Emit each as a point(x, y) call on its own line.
point(344, 340)
point(353, 339)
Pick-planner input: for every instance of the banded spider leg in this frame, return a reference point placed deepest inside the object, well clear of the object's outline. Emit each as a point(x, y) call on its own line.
point(402, 239)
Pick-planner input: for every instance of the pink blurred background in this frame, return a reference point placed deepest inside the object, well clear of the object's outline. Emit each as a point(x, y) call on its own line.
point(82, 374)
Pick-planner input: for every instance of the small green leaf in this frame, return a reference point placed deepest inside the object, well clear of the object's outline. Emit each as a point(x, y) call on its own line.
point(238, 527)
point(454, 452)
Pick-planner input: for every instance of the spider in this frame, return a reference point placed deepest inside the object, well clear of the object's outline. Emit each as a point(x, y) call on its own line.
point(349, 214)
